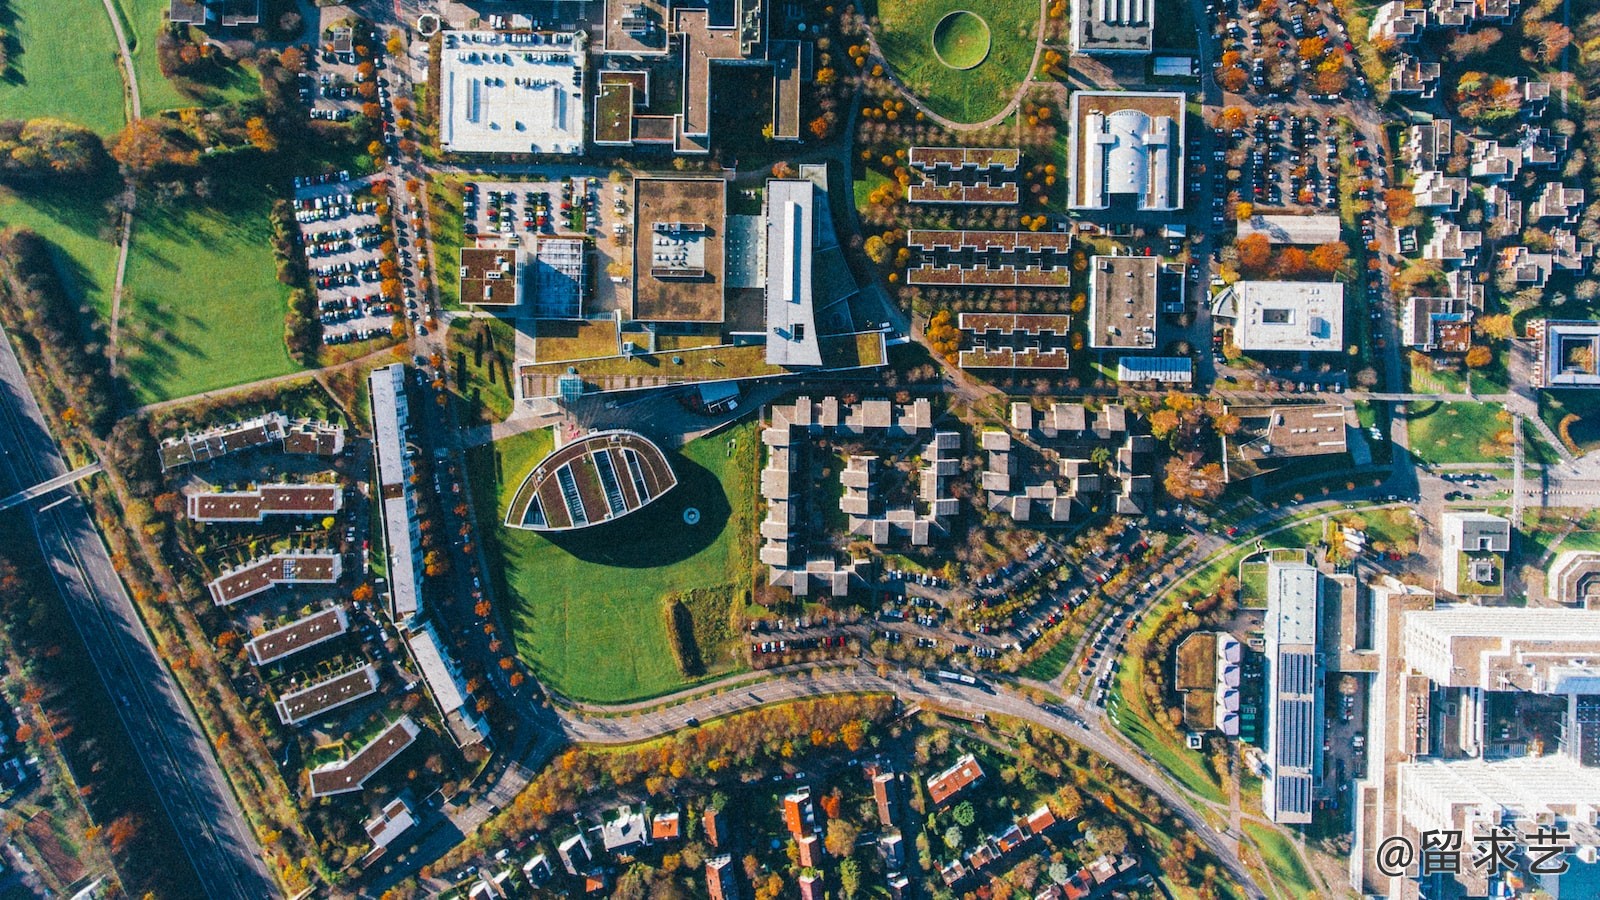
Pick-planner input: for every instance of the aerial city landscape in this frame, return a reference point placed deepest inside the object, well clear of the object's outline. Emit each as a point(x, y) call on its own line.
point(1041, 449)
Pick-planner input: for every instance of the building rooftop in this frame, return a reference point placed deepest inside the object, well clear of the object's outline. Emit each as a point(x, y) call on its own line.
point(511, 92)
point(352, 773)
point(791, 315)
point(326, 695)
point(1284, 316)
point(491, 276)
point(1269, 435)
point(1281, 229)
point(447, 687)
point(1127, 145)
point(265, 500)
point(1123, 296)
point(946, 785)
point(679, 225)
point(286, 640)
point(1113, 26)
point(1570, 353)
point(263, 573)
point(600, 477)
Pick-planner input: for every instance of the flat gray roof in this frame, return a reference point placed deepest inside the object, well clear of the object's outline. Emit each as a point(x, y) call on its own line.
point(791, 316)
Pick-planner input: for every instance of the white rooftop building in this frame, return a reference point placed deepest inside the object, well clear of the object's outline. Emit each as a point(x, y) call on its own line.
point(1284, 316)
point(466, 726)
point(791, 318)
point(401, 534)
point(516, 92)
point(1127, 144)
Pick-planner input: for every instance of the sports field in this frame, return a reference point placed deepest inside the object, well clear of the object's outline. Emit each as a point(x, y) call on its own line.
point(987, 51)
point(586, 609)
point(203, 307)
point(63, 64)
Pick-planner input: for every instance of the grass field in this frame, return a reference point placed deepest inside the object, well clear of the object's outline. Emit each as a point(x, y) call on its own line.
point(64, 64)
point(1456, 432)
point(142, 23)
point(478, 378)
point(586, 609)
point(906, 33)
point(73, 219)
point(445, 217)
point(961, 39)
point(204, 308)
point(1281, 860)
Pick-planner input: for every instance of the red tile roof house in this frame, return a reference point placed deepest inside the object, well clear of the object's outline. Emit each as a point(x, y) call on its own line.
point(948, 784)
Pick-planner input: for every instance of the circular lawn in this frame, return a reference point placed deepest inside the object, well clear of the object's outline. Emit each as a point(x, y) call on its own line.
point(961, 40)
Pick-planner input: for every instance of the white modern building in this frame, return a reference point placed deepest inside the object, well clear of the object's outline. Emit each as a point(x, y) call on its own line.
point(1113, 27)
point(511, 92)
point(402, 537)
point(791, 318)
point(1472, 558)
point(1127, 146)
point(1284, 316)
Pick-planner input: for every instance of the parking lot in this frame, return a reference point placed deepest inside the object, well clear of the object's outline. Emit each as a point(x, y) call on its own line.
point(1281, 160)
point(519, 211)
point(342, 239)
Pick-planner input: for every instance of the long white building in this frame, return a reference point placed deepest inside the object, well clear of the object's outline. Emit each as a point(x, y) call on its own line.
point(402, 537)
point(1293, 678)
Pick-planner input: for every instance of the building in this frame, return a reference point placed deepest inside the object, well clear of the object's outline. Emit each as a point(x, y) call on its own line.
point(1284, 316)
point(1293, 678)
point(950, 783)
point(964, 175)
point(659, 39)
point(256, 505)
point(491, 277)
point(222, 440)
point(1269, 436)
point(287, 567)
point(227, 13)
point(1126, 146)
point(1177, 370)
point(402, 537)
point(1574, 579)
point(1473, 553)
point(990, 259)
point(624, 832)
point(1123, 295)
point(1569, 353)
point(1032, 341)
point(799, 813)
point(511, 92)
point(575, 855)
point(1411, 75)
point(301, 634)
point(1113, 27)
point(352, 773)
point(449, 689)
point(326, 695)
point(721, 882)
point(1292, 230)
point(791, 315)
point(679, 228)
point(1437, 323)
point(885, 794)
point(393, 820)
point(1479, 716)
point(558, 277)
point(596, 479)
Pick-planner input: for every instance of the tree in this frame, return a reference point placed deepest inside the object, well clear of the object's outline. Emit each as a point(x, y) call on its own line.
point(876, 250)
point(1244, 210)
point(1108, 840)
point(1500, 327)
point(964, 814)
point(849, 879)
point(1479, 356)
point(1399, 202)
point(841, 837)
point(1255, 252)
point(1292, 261)
point(1329, 257)
point(259, 135)
point(953, 838)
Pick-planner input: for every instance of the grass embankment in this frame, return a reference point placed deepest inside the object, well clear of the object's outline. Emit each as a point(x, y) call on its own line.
point(586, 608)
point(63, 64)
point(204, 308)
point(905, 35)
point(81, 231)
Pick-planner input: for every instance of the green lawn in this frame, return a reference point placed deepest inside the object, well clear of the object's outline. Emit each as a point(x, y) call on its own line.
point(73, 219)
point(905, 35)
point(478, 378)
point(1581, 540)
point(1281, 860)
point(142, 22)
point(445, 218)
point(586, 608)
point(1556, 405)
point(204, 308)
point(1456, 432)
point(64, 64)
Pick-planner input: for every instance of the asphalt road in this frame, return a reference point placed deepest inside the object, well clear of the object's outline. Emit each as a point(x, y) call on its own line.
point(163, 729)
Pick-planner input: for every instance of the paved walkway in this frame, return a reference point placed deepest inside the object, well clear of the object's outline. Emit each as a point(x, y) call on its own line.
point(135, 112)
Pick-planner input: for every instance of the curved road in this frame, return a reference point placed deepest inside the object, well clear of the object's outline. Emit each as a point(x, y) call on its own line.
point(912, 690)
